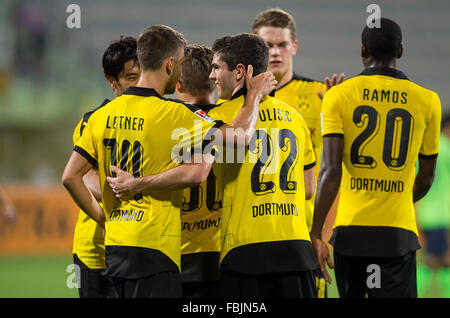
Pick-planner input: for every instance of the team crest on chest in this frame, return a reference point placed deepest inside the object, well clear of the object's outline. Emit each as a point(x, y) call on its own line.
point(303, 104)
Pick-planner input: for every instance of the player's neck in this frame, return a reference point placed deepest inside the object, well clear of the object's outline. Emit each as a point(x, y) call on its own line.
point(238, 87)
point(284, 79)
point(381, 64)
point(152, 79)
point(206, 99)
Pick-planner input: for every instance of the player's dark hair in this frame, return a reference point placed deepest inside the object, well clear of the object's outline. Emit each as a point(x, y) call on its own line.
point(384, 42)
point(243, 48)
point(275, 17)
point(117, 54)
point(157, 43)
point(196, 69)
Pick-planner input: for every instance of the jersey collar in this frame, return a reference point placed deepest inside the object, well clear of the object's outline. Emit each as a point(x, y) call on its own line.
point(386, 71)
point(243, 91)
point(141, 91)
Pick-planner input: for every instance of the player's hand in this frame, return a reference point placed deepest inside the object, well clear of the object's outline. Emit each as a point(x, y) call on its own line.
point(123, 184)
point(331, 82)
point(263, 83)
point(323, 256)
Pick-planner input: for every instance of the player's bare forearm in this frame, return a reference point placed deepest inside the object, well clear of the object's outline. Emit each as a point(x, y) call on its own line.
point(72, 179)
point(310, 183)
point(328, 182)
point(243, 125)
point(92, 182)
point(424, 178)
point(125, 185)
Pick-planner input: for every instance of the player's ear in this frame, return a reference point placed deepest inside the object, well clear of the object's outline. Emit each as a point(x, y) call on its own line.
point(294, 47)
point(364, 52)
point(239, 72)
point(170, 65)
point(111, 81)
point(400, 51)
point(179, 87)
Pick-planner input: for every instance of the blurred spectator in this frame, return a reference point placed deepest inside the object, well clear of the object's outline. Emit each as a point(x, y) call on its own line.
point(30, 39)
point(434, 217)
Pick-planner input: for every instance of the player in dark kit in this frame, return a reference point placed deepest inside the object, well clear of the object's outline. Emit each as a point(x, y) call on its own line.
point(375, 127)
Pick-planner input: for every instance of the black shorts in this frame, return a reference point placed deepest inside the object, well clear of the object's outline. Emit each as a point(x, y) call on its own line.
point(160, 285)
point(436, 242)
point(201, 289)
point(92, 284)
point(376, 277)
point(276, 285)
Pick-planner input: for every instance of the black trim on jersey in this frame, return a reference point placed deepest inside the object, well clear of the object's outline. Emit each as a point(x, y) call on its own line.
point(386, 71)
point(141, 91)
point(205, 108)
point(333, 135)
point(147, 92)
point(373, 241)
point(311, 165)
point(86, 155)
point(271, 257)
point(241, 92)
point(88, 114)
point(296, 77)
point(131, 262)
point(200, 267)
point(428, 156)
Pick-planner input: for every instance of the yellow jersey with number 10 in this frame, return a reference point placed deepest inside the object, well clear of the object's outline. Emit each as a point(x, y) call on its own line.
point(144, 134)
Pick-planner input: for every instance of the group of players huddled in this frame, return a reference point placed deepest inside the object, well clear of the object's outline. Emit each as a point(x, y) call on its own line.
point(239, 215)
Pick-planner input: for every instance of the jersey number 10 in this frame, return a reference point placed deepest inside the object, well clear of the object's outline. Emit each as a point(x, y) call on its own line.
point(124, 152)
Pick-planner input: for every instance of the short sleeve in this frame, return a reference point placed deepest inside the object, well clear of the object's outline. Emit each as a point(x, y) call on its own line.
point(85, 145)
point(77, 132)
point(310, 157)
point(331, 115)
point(430, 142)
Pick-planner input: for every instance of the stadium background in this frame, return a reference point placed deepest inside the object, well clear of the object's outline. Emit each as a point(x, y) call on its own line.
point(50, 75)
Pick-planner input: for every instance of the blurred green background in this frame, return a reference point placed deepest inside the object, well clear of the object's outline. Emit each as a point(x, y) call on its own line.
point(51, 74)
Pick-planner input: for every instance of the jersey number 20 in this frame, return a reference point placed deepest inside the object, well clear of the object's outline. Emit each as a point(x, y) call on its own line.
point(399, 123)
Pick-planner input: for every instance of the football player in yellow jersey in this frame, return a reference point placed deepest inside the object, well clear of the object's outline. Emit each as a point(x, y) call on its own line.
point(139, 132)
point(265, 240)
point(278, 28)
point(375, 128)
point(202, 204)
point(121, 70)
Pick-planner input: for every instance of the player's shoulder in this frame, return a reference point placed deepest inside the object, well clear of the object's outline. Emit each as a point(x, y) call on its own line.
point(298, 78)
point(89, 113)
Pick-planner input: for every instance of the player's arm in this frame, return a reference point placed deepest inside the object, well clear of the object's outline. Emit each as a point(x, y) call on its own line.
point(92, 182)
point(424, 178)
point(243, 125)
point(72, 178)
point(327, 188)
point(310, 183)
point(187, 175)
point(125, 185)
